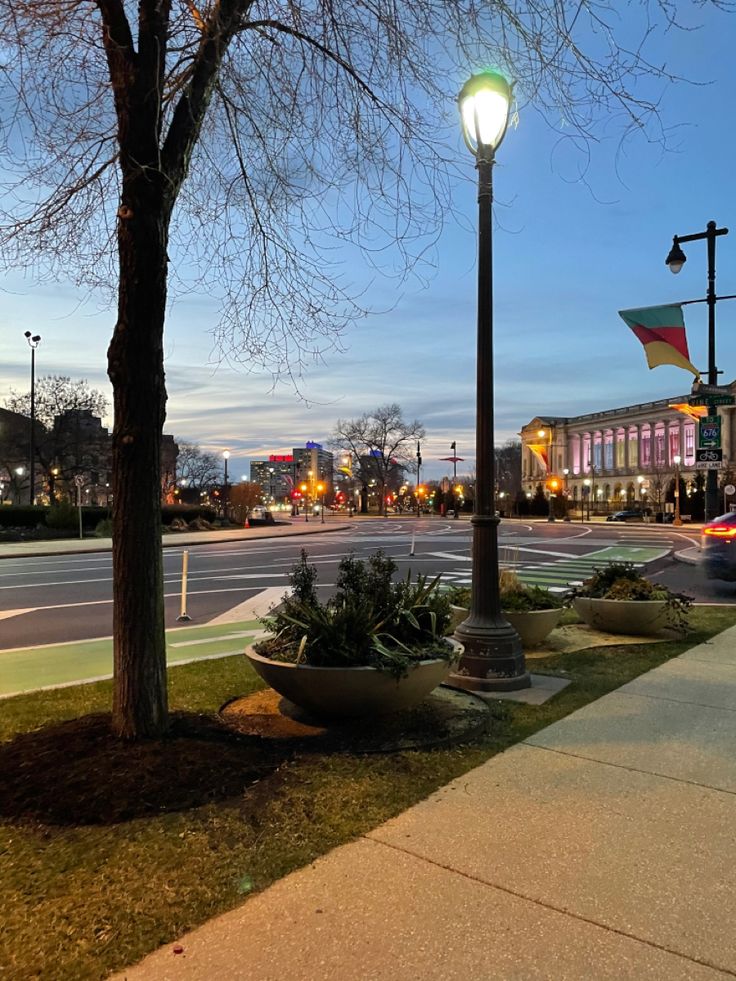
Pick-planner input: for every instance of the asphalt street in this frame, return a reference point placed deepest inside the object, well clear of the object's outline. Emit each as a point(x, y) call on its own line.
point(52, 599)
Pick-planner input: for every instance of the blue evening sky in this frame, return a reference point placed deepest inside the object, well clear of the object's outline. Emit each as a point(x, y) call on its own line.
point(568, 254)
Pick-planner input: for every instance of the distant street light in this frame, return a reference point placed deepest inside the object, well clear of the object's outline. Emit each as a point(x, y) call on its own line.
point(493, 659)
point(33, 342)
point(676, 260)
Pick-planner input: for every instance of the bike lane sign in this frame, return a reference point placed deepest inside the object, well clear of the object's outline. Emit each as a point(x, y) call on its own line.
point(709, 459)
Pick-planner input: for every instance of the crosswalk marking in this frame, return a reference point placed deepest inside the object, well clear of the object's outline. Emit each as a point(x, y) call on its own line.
point(562, 575)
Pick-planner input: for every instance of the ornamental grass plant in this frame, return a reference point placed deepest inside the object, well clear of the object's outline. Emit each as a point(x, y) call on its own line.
point(371, 621)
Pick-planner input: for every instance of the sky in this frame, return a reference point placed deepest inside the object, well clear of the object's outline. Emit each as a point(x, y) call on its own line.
point(568, 254)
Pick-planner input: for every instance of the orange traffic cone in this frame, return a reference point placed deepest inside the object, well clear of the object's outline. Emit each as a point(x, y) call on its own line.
point(247, 522)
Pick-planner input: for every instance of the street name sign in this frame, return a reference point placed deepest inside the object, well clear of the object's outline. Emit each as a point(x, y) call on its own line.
point(712, 400)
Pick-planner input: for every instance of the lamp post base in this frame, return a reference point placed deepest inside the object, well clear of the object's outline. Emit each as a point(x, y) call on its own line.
point(493, 658)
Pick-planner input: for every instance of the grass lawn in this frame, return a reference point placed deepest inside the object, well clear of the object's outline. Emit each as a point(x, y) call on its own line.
point(81, 900)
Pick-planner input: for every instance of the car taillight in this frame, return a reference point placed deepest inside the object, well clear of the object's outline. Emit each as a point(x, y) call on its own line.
point(721, 531)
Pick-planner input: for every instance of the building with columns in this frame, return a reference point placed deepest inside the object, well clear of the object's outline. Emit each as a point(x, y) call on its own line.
point(620, 457)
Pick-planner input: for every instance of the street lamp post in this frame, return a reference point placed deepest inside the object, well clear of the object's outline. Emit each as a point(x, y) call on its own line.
point(33, 342)
point(226, 455)
point(542, 433)
point(321, 492)
point(677, 460)
point(493, 659)
point(304, 490)
point(676, 260)
point(586, 484)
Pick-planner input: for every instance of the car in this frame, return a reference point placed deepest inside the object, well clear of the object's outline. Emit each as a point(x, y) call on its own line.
point(260, 516)
point(719, 547)
point(626, 516)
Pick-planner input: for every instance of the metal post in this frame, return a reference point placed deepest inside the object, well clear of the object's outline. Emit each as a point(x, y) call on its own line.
point(711, 479)
point(33, 342)
point(677, 521)
point(183, 615)
point(493, 658)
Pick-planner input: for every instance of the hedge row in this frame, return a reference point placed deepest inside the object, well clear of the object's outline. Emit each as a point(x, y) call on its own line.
point(66, 515)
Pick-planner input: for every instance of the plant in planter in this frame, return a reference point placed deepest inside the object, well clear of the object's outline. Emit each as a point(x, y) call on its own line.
point(532, 610)
point(375, 646)
point(620, 600)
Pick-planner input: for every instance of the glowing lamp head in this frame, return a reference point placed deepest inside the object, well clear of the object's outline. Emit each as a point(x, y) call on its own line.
point(676, 258)
point(484, 110)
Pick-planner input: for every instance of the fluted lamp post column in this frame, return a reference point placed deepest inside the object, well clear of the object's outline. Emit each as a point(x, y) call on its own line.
point(493, 658)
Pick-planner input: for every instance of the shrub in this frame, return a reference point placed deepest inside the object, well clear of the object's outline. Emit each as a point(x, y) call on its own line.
point(622, 581)
point(370, 621)
point(22, 515)
point(63, 516)
point(515, 595)
point(103, 529)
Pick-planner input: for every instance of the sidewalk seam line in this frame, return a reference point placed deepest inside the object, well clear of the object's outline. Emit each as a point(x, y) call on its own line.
point(630, 769)
point(673, 701)
point(550, 906)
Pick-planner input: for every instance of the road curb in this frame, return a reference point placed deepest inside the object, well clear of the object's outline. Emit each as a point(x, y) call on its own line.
point(686, 556)
point(172, 542)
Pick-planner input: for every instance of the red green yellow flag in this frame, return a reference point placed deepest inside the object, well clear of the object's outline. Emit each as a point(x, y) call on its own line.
point(662, 332)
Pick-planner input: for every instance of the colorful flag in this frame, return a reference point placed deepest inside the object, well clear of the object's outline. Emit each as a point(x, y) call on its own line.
point(662, 332)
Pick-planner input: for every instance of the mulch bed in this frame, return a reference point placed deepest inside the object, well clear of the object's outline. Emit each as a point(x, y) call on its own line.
point(446, 717)
point(77, 772)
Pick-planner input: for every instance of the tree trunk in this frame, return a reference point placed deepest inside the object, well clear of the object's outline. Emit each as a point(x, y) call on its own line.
point(135, 367)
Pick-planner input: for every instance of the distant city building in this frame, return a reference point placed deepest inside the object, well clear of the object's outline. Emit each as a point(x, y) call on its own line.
point(280, 474)
point(620, 456)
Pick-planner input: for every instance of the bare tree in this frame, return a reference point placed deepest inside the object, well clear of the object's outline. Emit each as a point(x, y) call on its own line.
point(248, 136)
point(243, 496)
point(380, 442)
point(66, 442)
point(198, 468)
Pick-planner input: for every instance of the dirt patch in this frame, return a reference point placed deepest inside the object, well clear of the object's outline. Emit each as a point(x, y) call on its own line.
point(78, 773)
point(445, 717)
point(579, 637)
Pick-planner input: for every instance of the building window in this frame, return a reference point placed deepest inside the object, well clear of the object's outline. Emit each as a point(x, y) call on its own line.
point(633, 449)
point(646, 446)
point(620, 449)
point(659, 457)
point(674, 435)
point(689, 444)
point(608, 451)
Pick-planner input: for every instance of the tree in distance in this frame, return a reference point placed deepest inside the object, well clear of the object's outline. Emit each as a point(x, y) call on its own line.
point(380, 444)
point(234, 147)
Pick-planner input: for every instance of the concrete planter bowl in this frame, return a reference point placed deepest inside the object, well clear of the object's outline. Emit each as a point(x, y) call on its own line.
point(348, 693)
point(634, 617)
point(533, 626)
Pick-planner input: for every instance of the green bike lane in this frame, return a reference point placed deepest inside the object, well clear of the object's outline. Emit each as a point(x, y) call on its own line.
point(27, 669)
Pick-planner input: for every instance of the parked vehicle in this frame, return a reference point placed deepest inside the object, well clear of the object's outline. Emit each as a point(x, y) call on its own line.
point(719, 547)
point(629, 515)
point(260, 516)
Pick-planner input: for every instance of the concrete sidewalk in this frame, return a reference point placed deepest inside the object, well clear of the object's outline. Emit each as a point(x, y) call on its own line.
point(82, 546)
point(602, 847)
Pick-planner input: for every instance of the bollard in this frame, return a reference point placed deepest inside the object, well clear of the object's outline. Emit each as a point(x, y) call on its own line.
point(184, 573)
point(412, 544)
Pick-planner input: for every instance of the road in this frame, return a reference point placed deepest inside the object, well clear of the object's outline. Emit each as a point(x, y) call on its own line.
point(46, 600)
